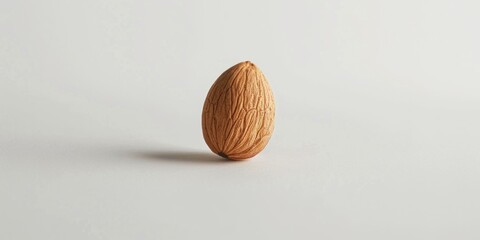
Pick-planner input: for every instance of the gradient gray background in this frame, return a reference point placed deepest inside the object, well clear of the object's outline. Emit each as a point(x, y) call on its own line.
point(377, 130)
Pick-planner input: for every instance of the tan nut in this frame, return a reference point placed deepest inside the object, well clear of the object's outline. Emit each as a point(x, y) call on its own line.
point(238, 113)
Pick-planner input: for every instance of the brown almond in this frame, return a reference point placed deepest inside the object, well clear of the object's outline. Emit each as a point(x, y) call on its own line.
point(238, 113)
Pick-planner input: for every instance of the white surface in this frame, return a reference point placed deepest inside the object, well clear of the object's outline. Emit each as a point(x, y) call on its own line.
point(377, 130)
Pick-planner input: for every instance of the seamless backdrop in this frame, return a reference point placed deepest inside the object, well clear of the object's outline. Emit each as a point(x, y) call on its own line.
point(377, 120)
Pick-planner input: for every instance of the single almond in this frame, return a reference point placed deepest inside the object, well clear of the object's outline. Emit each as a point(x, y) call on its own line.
point(238, 113)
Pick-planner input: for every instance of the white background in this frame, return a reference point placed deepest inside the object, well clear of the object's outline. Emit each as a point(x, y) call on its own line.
point(377, 129)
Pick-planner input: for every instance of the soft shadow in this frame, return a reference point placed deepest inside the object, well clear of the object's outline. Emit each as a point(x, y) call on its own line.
point(182, 156)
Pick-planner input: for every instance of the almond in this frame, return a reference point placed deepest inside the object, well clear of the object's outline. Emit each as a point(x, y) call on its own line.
point(238, 113)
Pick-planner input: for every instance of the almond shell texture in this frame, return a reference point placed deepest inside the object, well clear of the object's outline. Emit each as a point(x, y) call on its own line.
point(238, 113)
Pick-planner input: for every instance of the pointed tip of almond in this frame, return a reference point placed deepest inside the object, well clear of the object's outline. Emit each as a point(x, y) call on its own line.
point(249, 64)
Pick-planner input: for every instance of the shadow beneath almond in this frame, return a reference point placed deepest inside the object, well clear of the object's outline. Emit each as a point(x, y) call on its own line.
point(182, 156)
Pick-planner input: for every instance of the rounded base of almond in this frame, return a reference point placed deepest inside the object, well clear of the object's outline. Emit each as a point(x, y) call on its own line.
point(235, 157)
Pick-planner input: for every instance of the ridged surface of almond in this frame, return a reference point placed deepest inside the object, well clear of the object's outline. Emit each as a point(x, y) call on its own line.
point(238, 113)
